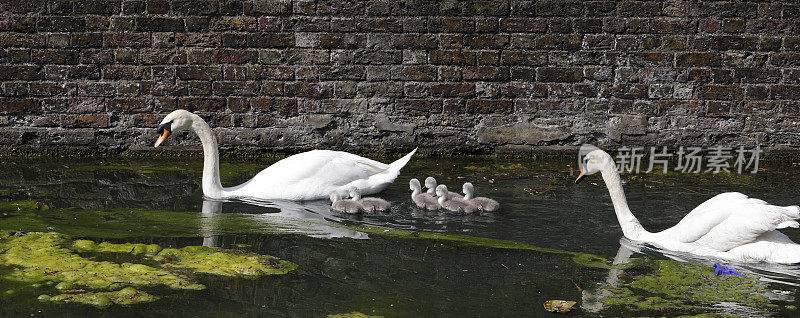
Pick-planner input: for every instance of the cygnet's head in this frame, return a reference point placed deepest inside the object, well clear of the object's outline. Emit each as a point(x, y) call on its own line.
point(468, 189)
point(594, 161)
point(430, 183)
point(174, 122)
point(355, 193)
point(414, 185)
point(441, 191)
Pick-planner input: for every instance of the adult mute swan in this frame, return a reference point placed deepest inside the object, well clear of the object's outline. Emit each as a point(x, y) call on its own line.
point(305, 176)
point(729, 226)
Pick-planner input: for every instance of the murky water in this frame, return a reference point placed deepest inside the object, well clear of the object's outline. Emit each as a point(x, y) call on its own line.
point(344, 270)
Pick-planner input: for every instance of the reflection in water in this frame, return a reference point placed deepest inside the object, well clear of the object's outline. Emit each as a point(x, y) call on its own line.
point(592, 298)
point(292, 217)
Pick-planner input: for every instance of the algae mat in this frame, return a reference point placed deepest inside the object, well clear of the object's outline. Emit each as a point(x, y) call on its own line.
point(55, 260)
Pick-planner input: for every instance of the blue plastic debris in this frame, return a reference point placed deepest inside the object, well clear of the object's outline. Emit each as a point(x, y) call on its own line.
point(725, 270)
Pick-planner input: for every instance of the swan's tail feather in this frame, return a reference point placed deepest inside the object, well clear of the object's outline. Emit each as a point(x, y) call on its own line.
point(394, 167)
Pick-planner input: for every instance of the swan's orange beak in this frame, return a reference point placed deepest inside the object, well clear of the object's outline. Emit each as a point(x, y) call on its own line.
point(164, 135)
point(580, 176)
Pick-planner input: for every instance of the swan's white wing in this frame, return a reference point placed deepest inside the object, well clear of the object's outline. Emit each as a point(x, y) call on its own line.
point(706, 216)
point(747, 222)
point(326, 164)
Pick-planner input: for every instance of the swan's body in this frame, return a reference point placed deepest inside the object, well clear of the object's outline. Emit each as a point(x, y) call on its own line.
point(369, 204)
point(729, 226)
point(305, 176)
point(345, 205)
point(431, 183)
point(422, 199)
point(485, 204)
point(453, 204)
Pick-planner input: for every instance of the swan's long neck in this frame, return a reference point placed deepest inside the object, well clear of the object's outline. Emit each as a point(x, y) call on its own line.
point(212, 187)
point(630, 225)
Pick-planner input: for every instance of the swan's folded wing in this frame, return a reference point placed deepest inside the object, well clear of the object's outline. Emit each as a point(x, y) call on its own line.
point(706, 216)
point(747, 222)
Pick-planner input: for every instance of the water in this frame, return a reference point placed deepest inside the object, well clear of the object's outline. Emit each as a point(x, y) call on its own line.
point(343, 270)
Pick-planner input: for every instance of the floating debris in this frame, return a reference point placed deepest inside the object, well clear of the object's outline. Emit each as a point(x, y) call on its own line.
point(560, 306)
point(726, 270)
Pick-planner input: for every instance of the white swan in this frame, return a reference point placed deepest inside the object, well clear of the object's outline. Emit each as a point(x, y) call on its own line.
point(485, 204)
point(729, 226)
point(305, 176)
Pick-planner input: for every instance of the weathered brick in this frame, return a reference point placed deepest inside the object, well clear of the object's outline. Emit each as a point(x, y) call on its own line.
point(202, 104)
point(485, 106)
point(159, 24)
point(698, 59)
point(234, 56)
point(486, 73)
point(283, 106)
point(85, 121)
point(20, 106)
point(557, 74)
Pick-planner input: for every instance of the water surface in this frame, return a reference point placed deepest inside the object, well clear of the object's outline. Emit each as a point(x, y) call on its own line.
point(344, 270)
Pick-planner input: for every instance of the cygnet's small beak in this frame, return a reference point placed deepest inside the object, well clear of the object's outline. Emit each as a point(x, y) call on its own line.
point(580, 176)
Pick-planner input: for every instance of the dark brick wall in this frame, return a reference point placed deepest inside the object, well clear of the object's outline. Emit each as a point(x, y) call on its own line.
point(392, 74)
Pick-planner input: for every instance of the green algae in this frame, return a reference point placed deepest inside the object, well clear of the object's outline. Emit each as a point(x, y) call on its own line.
point(671, 287)
point(213, 261)
point(125, 297)
point(46, 257)
point(53, 259)
point(23, 205)
point(354, 314)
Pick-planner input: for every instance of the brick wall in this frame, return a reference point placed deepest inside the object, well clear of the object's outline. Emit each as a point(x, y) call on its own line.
point(359, 75)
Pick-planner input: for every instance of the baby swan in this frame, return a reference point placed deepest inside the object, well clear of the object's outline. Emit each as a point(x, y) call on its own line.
point(344, 205)
point(453, 204)
point(369, 204)
point(430, 183)
point(485, 204)
point(421, 199)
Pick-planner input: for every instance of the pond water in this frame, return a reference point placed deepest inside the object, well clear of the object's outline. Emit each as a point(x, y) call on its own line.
point(352, 264)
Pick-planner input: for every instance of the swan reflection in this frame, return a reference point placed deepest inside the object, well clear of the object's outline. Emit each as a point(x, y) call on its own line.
point(309, 218)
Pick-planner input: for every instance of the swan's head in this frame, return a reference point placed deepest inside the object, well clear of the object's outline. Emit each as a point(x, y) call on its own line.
point(441, 191)
point(414, 185)
point(355, 193)
point(468, 189)
point(594, 162)
point(176, 121)
point(430, 183)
